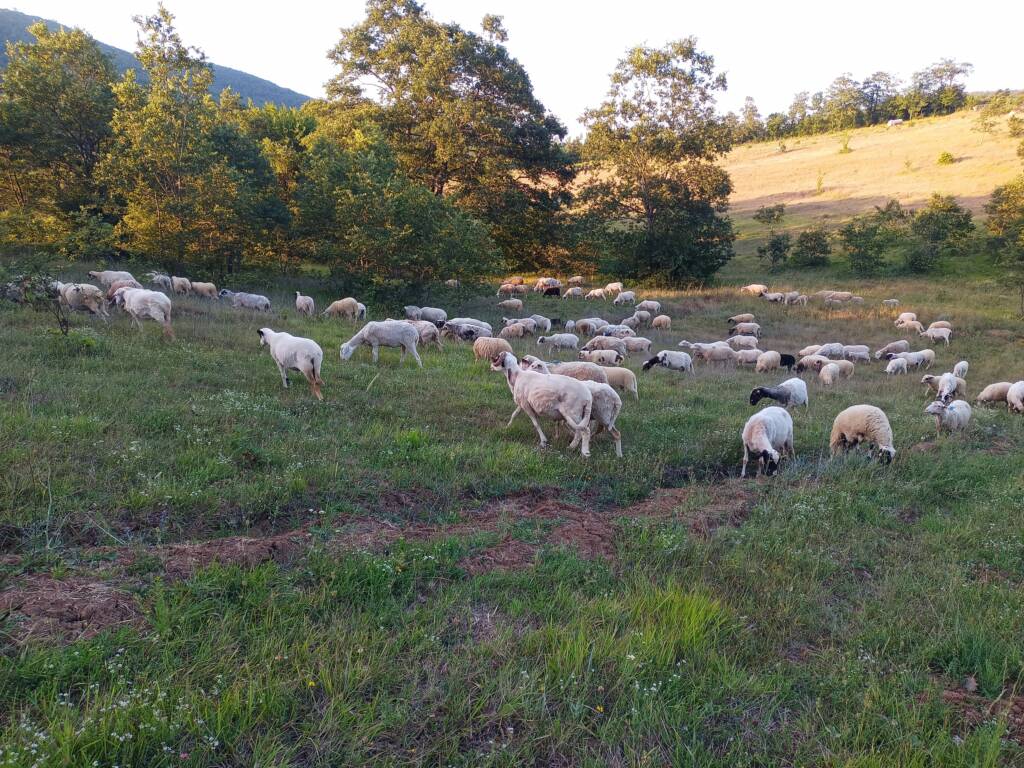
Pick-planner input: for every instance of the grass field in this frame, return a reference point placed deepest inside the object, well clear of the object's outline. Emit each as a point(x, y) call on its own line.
point(202, 569)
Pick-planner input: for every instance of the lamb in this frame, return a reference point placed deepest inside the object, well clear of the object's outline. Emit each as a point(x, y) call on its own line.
point(1015, 397)
point(182, 286)
point(952, 384)
point(767, 361)
point(511, 305)
point(768, 434)
point(429, 334)
point(561, 341)
point(892, 347)
point(81, 296)
point(543, 324)
point(863, 424)
point(749, 329)
point(554, 396)
point(637, 344)
point(674, 361)
point(748, 356)
point(107, 277)
point(858, 353)
point(206, 290)
point(601, 356)
point(960, 369)
point(952, 417)
point(773, 298)
point(573, 293)
point(294, 353)
point(811, 363)
point(809, 350)
point(141, 303)
point(754, 289)
point(160, 281)
point(579, 370)
point(905, 317)
point(746, 317)
point(487, 347)
point(801, 299)
point(304, 305)
point(941, 324)
point(606, 342)
point(993, 393)
point(790, 393)
point(614, 288)
point(243, 300)
point(828, 374)
point(662, 323)
point(625, 297)
point(514, 331)
point(654, 307)
point(597, 294)
point(742, 342)
point(935, 334)
point(896, 366)
point(621, 378)
point(914, 326)
point(386, 333)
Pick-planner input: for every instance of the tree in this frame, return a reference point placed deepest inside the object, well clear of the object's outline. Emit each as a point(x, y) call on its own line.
point(879, 94)
point(812, 249)
point(654, 183)
point(776, 249)
point(864, 240)
point(940, 229)
point(751, 127)
point(843, 104)
point(1005, 223)
point(770, 215)
point(941, 87)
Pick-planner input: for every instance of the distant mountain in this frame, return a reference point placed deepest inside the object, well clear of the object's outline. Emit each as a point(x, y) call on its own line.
point(13, 26)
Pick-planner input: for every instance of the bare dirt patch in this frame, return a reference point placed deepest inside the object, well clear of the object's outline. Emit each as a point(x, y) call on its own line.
point(971, 710)
point(509, 555)
point(74, 608)
point(182, 560)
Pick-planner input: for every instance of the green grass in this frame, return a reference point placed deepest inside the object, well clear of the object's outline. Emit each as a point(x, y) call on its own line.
point(818, 631)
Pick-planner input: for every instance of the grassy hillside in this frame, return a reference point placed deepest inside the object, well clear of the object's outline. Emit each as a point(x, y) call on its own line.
point(12, 29)
point(200, 568)
point(883, 163)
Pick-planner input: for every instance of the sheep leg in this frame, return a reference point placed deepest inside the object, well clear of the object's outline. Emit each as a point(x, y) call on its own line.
point(746, 458)
point(376, 352)
point(513, 416)
point(314, 383)
point(536, 425)
point(415, 355)
point(284, 375)
point(617, 436)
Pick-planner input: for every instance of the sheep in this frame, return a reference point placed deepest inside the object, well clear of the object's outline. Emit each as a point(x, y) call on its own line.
point(952, 417)
point(841, 296)
point(905, 317)
point(206, 290)
point(617, 331)
point(913, 326)
point(606, 342)
point(591, 325)
point(773, 298)
point(412, 312)
point(120, 284)
point(811, 363)
point(575, 280)
point(598, 294)
point(748, 329)
point(892, 347)
point(890, 302)
point(614, 288)
point(654, 307)
point(481, 324)
point(823, 295)
point(662, 323)
point(742, 342)
point(993, 393)
point(960, 369)
point(768, 434)
point(573, 293)
point(916, 359)
point(858, 353)
point(1015, 397)
point(812, 349)
point(622, 378)
point(141, 303)
point(754, 289)
point(832, 350)
point(160, 281)
point(81, 296)
point(625, 297)
point(801, 299)
point(896, 366)
point(746, 317)
point(429, 333)
point(790, 393)
point(569, 326)
point(511, 305)
point(294, 353)
point(715, 354)
point(304, 305)
point(941, 324)
point(828, 374)
point(543, 323)
point(637, 344)
point(767, 361)
point(846, 368)
point(674, 361)
point(605, 410)
point(833, 304)
point(384, 333)
point(787, 361)
point(747, 356)
point(528, 324)
point(543, 284)
point(107, 277)
point(857, 299)
point(554, 396)
point(601, 356)
point(243, 300)
point(863, 424)
point(552, 291)
point(512, 289)
point(514, 331)
point(432, 314)
point(949, 385)
point(464, 331)
point(487, 347)
point(181, 286)
point(574, 369)
point(561, 341)
point(641, 317)
point(790, 297)
point(935, 334)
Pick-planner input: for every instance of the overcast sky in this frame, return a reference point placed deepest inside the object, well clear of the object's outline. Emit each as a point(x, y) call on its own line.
point(769, 50)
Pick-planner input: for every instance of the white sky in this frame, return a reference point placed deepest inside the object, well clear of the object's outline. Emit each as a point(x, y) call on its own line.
point(769, 50)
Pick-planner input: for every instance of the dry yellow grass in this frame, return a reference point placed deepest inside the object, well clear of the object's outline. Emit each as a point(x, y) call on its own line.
point(899, 162)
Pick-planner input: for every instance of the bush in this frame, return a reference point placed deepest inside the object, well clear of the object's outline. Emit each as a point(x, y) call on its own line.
point(812, 249)
point(77, 342)
point(1016, 127)
point(946, 158)
point(775, 250)
point(939, 229)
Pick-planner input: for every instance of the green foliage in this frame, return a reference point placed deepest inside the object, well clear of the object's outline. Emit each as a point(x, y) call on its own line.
point(865, 239)
point(941, 229)
point(844, 144)
point(946, 158)
point(1015, 126)
point(775, 250)
point(770, 215)
point(91, 237)
point(1005, 223)
point(811, 249)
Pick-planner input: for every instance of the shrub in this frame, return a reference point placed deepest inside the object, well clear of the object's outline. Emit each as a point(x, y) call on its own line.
point(775, 250)
point(946, 158)
point(1016, 127)
point(862, 240)
point(844, 144)
point(770, 214)
point(939, 229)
point(812, 249)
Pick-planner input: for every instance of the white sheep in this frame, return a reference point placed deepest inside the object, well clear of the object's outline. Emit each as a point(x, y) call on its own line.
point(637, 344)
point(713, 355)
point(513, 331)
point(294, 353)
point(654, 307)
point(893, 347)
point(960, 369)
point(742, 342)
point(386, 333)
point(243, 300)
point(952, 417)
point(598, 294)
point(601, 356)
point(846, 368)
point(182, 286)
point(622, 378)
point(625, 297)
point(107, 277)
point(863, 424)
point(674, 361)
point(947, 382)
point(890, 302)
point(937, 334)
point(749, 329)
point(949, 385)
point(607, 342)
point(429, 333)
point(347, 307)
point(528, 324)
point(560, 341)
point(768, 361)
point(790, 297)
point(487, 347)
point(141, 303)
point(1015, 397)
point(858, 353)
point(605, 410)
point(662, 323)
point(745, 317)
point(574, 369)
point(923, 357)
point(896, 366)
point(790, 393)
point(994, 393)
point(481, 324)
point(81, 296)
point(768, 434)
point(828, 374)
point(774, 297)
point(573, 293)
point(811, 349)
point(941, 324)
point(913, 327)
point(832, 350)
point(617, 331)
point(614, 288)
point(304, 305)
point(754, 289)
point(543, 323)
point(747, 356)
point(160, 281)
point(811, 363)
point(575, 280)
point(206, 290)
point(511, 305)
point(905, 317)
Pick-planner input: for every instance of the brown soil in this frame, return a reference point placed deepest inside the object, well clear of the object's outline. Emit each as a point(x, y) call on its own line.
point(182, 560)
point(70, 609)
point(972, 710)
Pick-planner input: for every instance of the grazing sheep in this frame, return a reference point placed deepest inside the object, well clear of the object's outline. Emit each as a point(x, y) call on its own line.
point(993, 393)
point(892, 347)
point(1015, 397)
point(812, 349)
point(863, 424)
point(294, 353)
point(482, 325)
point(712, 355)
point(575, 280)
point(81, 296)
point(412, 312)
point(141, 303)
point(913, 327)
point(857, 299)
point(952, 417)
point(464, 331)
point(545, 284)
point(120, 284)
point(432, 314)
point(622, 378)
point(742, 342)
point(304, 305)
point(654, 307)
point(614, 288)
point(637, 344)
point(674, 361)
point(206, 290)
point(641, 317)
point(811, 363)
point(768, 361)
point(601, 356)
point(511, 305)
point(941, 324)
point(890, 302)
point(747, 356)
point(846, 368)
point(453, 283)
point(243, 300)
point(905, 317)
point(936, 334)
point(573, 293)
point(790, 297)
point(513, 289)
point(746, 317)
point(768, 434)
point(896, 366)
point(487, 347)
point(617, 331)
point(832, 350)
point(598, 294)
point(551, 395)
point(841, 296)
point(916, 359)
point(801, 299)
point(790, 394)
point(552, 291)
point(625, 297)
point(748, 329)
point(528, 324)
point(107, 277)
point(828, 374)
point(773, 298)
point(960, 369)
point(858, 353)
point(561, 341)
point(181, 286)
point(569, 326)
point(606, 342)
point(936, 385)
point(579, 370)
point(591, 325)
point(754, 289)
point(543, 323)
point(823, 295)
point(514, 331)
point(384, 333)
point(605, 410)
point(161, 281)
point(429, 333)
point(662, 323)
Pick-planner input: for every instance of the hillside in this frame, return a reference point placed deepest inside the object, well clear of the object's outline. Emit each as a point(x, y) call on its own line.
point(883, 163)
point(13, 25)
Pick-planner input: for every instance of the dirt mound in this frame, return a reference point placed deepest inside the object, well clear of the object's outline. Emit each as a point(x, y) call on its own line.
point(727, 502)
point(509, 555)
point(973, 710)
point(74, 608)
point(182, 560)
